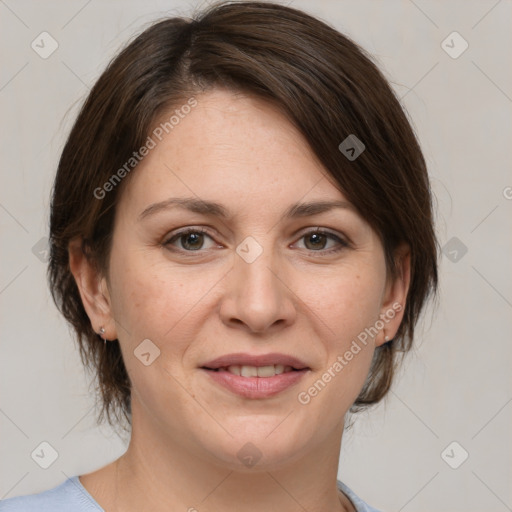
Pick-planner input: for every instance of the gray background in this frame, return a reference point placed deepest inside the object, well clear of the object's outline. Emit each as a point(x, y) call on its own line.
point(455, 386)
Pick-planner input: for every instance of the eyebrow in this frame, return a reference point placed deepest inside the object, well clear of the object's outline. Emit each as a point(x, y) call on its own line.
point(204, 207)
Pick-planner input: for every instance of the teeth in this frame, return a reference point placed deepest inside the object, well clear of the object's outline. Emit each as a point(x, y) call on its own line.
point(261, 371)
point(248, 371)
point(266, 371)
point(234, 369)
point(280, 368)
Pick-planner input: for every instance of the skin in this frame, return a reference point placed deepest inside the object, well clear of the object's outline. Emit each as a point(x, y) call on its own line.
point(296, 298)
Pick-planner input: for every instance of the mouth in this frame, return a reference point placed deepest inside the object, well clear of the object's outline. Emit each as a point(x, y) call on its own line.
point(255, 377)
point(256, 371)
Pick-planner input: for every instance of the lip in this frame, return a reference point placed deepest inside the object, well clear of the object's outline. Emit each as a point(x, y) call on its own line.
point(255, 387)
point(244, 359)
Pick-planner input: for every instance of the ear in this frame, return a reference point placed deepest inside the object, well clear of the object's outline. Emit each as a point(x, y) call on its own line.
point(93, 290)
point(395, 295)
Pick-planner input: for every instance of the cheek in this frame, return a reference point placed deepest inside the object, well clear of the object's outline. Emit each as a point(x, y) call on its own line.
point(349, 304)
point(150, 304)
point(145, 300)
point(350, 300)
point(154, 300)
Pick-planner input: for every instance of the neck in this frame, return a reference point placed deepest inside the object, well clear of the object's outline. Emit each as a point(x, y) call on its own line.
point(159, 473)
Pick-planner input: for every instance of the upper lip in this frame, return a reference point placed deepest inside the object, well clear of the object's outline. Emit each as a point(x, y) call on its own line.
point(242, 359)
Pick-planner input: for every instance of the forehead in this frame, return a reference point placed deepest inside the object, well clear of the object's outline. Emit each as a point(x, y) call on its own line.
point(231, 146)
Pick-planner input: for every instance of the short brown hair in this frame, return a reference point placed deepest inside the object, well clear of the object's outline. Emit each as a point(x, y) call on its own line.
point(328, 87)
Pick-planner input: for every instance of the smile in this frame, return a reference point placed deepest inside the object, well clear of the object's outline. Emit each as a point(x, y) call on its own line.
point(256, 371)
point(255, 382)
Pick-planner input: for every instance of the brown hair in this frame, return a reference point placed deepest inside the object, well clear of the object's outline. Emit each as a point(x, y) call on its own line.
point(328, 87)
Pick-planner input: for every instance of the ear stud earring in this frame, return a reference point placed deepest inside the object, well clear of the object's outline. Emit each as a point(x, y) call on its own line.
point(102, 332)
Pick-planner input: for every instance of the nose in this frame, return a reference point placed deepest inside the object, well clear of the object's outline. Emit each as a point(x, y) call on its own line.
point(258, 296)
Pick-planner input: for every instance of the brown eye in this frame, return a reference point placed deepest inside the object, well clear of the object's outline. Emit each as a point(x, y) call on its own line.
point(190, 239)
point(316, 241)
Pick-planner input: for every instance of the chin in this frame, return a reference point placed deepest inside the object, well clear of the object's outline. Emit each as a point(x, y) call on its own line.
point(257, 449)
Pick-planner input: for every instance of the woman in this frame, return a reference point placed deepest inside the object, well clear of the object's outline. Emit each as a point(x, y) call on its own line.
point(242, 239)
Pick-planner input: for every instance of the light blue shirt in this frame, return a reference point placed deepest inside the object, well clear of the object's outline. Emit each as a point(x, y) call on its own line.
point(72, 496)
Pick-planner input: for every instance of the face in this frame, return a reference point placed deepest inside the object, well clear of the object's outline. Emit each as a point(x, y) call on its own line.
point(253, 282)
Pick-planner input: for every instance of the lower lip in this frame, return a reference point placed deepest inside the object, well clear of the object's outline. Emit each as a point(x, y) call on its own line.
point(256, 387)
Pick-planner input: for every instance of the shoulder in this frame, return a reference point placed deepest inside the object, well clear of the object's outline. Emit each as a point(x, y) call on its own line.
point(358, 503)
point(69, 495)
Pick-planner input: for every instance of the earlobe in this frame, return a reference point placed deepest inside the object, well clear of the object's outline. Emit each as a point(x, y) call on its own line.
point(395, 298)
point(93, 290)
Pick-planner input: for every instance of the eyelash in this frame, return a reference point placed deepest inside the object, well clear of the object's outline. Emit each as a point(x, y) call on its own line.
point(319, 231)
